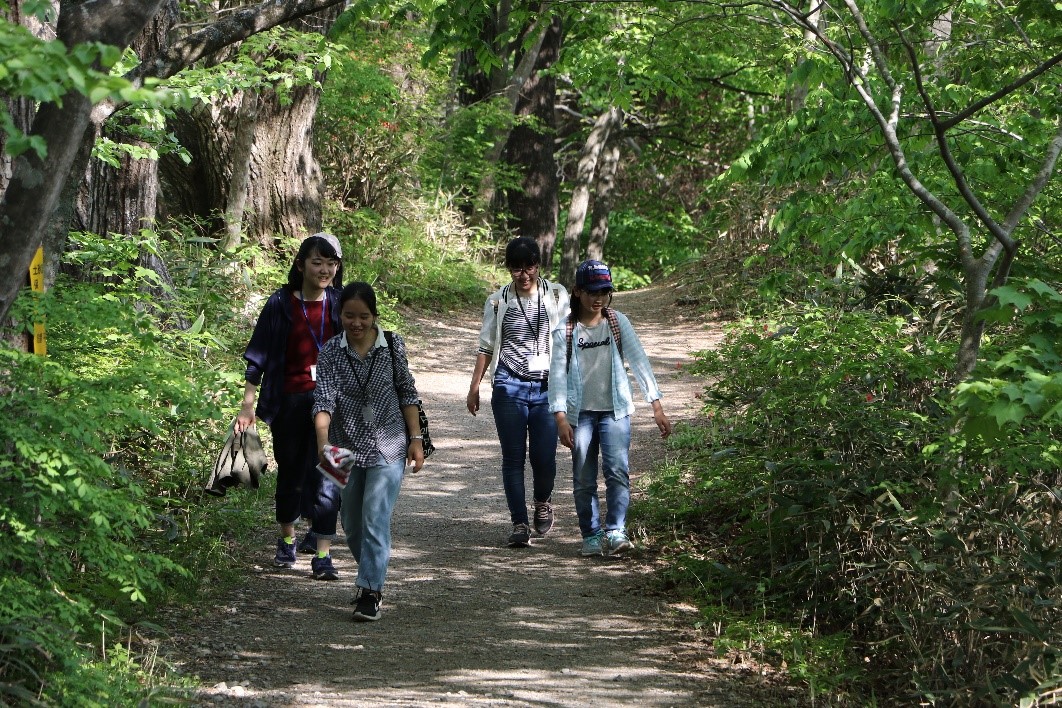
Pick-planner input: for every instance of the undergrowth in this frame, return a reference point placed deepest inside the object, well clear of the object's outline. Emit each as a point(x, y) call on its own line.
point(828, 514)
point(108, 441)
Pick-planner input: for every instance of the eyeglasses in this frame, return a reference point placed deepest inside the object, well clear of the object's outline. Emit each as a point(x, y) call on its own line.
point(530, 270)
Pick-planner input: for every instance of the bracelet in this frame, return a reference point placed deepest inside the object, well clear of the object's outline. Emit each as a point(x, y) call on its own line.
point(416, 437)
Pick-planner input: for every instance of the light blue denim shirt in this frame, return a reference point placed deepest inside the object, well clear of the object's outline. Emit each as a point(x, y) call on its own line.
point(566, 387)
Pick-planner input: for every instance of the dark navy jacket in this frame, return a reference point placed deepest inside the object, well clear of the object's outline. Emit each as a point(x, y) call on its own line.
point(268, 346)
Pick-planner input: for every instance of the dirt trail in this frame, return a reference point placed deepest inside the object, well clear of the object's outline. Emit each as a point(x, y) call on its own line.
point(467, 621)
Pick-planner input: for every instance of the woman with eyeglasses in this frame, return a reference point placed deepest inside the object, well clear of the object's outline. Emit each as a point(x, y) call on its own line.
point(514, 349)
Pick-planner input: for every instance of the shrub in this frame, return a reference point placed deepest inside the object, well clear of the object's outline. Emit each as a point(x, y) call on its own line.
point(828, 491)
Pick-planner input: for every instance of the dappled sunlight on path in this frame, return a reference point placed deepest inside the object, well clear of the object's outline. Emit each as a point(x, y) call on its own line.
point(467, 621)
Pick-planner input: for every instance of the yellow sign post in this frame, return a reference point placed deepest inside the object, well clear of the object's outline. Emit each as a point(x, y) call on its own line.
point(40, 339)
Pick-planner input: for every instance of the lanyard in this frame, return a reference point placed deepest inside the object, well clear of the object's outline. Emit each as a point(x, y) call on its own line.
point(537, 327)
point(319, 341)
point(364, 386)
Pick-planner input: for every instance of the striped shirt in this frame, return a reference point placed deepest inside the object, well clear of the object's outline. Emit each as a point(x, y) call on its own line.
point(360, 395)
point(526, 333)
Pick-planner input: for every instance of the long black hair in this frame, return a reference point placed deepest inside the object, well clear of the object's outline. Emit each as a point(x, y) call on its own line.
point(359, 290)
point(325, 249)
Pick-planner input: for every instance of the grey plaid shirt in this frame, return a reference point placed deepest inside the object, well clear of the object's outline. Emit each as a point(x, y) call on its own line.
point(347, 385)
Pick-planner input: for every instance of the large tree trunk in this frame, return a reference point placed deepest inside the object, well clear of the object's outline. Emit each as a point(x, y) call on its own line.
point(268, 187)
point(584, 177)
point(604, 193)
point(37, 183)
point(36, 187)
point(534, 209)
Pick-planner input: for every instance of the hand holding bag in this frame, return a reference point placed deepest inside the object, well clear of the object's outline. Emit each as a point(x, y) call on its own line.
point(428, 447)
point(240, 462)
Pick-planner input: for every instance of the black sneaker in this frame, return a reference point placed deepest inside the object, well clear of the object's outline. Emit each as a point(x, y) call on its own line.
point(323, 569)
point(308, 544)
point(520, 537)
point(285, 557)
point(367, 606)
point(543, 517)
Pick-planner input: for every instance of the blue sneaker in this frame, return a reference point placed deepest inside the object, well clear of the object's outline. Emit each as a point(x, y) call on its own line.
point(323, 569)
point(285, 557)
point(592, 545)
point(615, 543)
point(308, 544)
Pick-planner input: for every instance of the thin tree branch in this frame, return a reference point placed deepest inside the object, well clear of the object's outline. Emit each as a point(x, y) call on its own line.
point(1008, 89)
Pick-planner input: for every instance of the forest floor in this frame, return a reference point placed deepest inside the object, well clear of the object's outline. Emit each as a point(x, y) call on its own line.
point(466, 620)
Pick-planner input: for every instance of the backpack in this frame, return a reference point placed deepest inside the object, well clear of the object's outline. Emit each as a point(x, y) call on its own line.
point(613, 325)
point(505, 296)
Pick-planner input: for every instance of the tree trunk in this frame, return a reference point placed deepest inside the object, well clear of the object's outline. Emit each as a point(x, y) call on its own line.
point(534, 209)
point(487, 188)
point(584, 177)
point(604, 193)
point(246, 122)
point(36, 184)
point(276, 175)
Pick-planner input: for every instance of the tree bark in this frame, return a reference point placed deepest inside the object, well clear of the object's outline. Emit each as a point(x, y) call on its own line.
point(534, 209)
point(584, 177)
point(487, 188)
point(37, 183)
point(246, 122)
point(604, 192)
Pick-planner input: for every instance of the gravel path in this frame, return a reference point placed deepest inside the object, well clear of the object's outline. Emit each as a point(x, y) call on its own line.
point(467, 621)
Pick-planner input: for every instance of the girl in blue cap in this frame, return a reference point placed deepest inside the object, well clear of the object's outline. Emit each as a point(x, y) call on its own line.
point(591, 398)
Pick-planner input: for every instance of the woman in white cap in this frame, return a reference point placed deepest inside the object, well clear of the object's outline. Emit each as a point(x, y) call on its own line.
point(281, 357)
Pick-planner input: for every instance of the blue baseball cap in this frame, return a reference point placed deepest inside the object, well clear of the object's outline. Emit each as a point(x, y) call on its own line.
point(592, 276)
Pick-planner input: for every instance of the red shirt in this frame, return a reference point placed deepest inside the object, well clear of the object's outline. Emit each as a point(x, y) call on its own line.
point(310, 329)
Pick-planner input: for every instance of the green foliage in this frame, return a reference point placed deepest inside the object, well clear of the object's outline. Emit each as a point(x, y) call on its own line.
point(410, 262)
point(279, 60)
point(45, 71)
point(1022, 382)
point(827, 492)
point(377, 114)
point(457, 161)
point(651, 247)
point(105, 447)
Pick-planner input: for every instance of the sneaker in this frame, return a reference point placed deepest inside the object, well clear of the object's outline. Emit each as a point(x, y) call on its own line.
point(520, 537)
point(592, 545)
point(367, 606)
point(543, 517)
point(323, 569)
point(615, 543)
point(308, 544)
point(285, 557)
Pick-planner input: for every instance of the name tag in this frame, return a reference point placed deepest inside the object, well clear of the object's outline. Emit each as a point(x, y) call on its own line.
point(313, 372)
point(538, 362)
point(367, 413)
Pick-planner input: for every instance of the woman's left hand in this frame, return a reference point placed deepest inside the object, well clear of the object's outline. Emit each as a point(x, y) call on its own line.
point(415, 454)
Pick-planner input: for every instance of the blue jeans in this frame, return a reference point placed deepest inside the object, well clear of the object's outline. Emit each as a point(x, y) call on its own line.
point(521, 414)
point(598, 431)
point(368, 501)
point(302, 491)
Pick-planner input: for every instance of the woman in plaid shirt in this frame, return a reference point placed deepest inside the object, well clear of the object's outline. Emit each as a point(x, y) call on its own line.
point(366, 402)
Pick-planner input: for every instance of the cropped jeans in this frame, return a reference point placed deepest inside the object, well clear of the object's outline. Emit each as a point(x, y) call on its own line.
point(302, 491)
point(521, 414)
point(599, 432)
point(368, 502)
